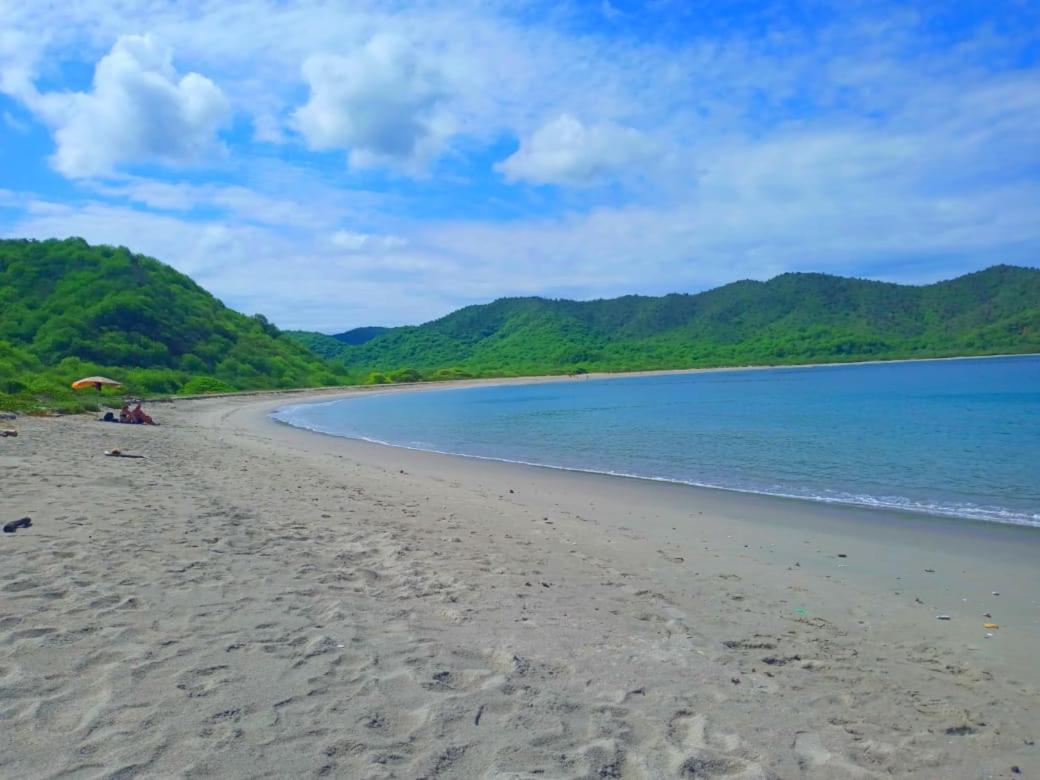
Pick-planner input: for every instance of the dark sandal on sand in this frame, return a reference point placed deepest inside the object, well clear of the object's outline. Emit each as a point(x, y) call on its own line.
point(13, 526)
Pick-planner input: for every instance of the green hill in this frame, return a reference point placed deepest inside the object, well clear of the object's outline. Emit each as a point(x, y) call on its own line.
point(360, 335)
point(794, 318)
point(332, 346)
point(68, 309)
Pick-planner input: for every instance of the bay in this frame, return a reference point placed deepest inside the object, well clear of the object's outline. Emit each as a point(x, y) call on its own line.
point(957, 438)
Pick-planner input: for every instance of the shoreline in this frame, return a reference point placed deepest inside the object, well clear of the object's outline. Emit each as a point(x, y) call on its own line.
point(544, 378)
point(862, 505)
point(881, 527)
point(266, 600)
point(258, 419)
point(1031, 522)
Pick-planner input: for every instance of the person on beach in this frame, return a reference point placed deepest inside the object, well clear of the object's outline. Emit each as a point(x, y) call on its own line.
point(138, 415)
point(124, 414)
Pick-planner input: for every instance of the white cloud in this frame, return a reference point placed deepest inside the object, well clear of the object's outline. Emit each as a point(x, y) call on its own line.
point(349, 241)
point(18, 52)
point(15, 123)
point(859, 146)
point(295, 280)
point(138, 110)
point(567, 151)
point(382, 103)
point(316, 209)
point(268, 129)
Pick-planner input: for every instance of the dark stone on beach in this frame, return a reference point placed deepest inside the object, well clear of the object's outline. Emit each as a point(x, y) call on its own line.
point(708, 766)
point(14, 525)
point(1015, 770)
point(748, 644)
point(774, 661)
point(959, 731)
point(842, 555)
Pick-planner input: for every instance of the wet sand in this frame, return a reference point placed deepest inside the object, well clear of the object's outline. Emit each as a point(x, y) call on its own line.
point(251, 600)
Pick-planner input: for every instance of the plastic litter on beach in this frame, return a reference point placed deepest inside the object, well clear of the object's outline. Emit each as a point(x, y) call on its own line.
point(943, 617)
point(8, 432)
point(990, 626)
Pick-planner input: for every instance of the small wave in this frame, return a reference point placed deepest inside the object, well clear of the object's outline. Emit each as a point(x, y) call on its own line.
point(888, 503)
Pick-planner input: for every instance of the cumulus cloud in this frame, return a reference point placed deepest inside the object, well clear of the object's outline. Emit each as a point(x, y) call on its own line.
point(18, 50)
point(382, 103)
point(138, 110)
point(568, 151)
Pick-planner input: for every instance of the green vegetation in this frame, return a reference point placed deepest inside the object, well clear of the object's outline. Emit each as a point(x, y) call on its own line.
point(794, 318)
point(68, 310)
point(332, 346)
point(360, 335)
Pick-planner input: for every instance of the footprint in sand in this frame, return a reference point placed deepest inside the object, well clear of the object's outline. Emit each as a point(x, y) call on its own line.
point(818, 761)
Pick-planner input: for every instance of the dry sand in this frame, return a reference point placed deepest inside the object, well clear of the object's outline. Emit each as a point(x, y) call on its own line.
point(255, 601)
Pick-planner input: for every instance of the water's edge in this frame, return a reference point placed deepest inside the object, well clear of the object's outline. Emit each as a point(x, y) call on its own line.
point(863, 502)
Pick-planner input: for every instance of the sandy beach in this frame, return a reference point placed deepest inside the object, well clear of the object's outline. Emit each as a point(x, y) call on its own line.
point(251, 600)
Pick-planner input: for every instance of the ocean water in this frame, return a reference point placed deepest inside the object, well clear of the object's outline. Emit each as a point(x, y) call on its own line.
point(958, 438)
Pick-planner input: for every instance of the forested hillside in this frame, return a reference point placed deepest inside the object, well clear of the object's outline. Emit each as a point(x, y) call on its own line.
point(68, 309)
point(332, 346)
point(794, 318)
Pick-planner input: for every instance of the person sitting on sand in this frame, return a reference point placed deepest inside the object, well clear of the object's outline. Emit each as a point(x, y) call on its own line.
point(139, 416)
point(124, 414)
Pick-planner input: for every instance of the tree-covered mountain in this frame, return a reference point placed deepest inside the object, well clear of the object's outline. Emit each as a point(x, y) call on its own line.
point(360, 335)
point(793, 318)
point(68, 309)
point(332, 346)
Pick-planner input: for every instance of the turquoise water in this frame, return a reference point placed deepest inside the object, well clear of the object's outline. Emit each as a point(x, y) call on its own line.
point(958, 438)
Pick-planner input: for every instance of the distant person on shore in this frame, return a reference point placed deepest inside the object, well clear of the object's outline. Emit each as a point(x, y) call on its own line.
point(124, 414)
point(138, 416)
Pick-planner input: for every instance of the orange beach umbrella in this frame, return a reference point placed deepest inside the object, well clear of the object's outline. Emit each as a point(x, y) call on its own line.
point(96, 382)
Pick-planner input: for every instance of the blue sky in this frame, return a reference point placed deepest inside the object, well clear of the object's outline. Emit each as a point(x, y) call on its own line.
point(335, 164)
